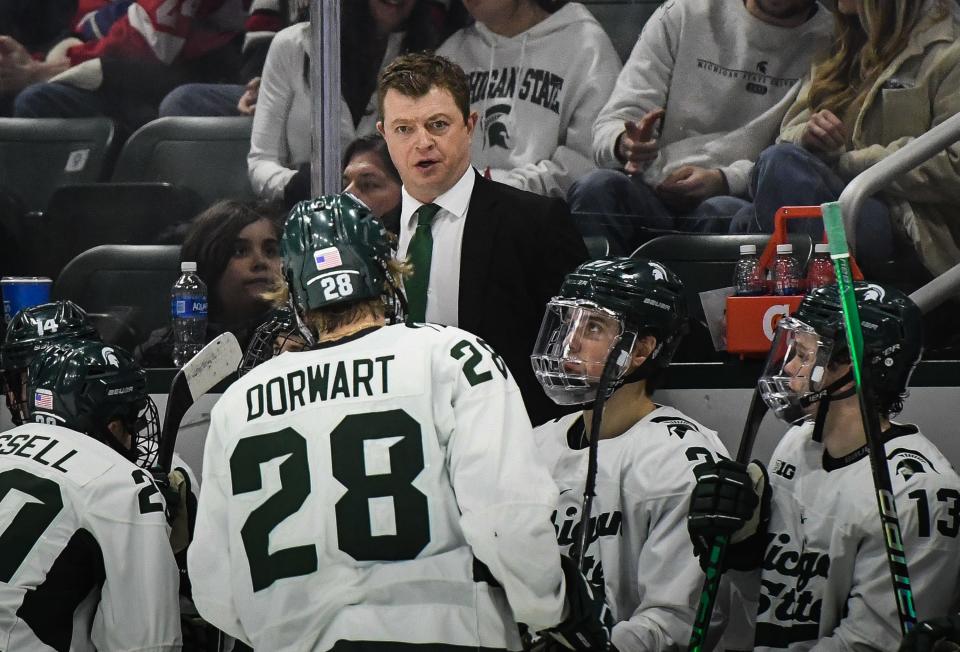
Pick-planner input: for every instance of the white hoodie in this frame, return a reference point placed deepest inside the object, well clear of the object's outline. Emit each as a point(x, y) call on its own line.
point(725, 78)
point(538, 94)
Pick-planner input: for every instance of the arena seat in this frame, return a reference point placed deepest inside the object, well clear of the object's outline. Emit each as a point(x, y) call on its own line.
point(124, 288)
point(207, 155)
point(706, 262)
point(84, 216)
point(39, 155)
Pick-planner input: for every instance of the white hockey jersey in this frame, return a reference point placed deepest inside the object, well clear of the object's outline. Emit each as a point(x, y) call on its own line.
point(639, 547)
point(85, 562)
point(825, 583)
point(350, 491)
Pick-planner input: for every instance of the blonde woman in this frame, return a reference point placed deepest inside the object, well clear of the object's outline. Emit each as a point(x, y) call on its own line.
point(892, 75)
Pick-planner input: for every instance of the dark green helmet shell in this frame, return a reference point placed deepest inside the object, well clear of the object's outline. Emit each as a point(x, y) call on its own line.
point(334, 251)
point(892, 331)
point(33, 329)
point(83, 385)
point(648, 295)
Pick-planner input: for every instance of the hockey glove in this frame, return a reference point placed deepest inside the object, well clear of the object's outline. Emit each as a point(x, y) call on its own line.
point(175, 488)
point(733, 500)
point(937, 635)
point(589, 622)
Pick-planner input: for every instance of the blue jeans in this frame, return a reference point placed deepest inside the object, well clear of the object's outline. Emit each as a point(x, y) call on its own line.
point(202, 100)
point(624, 210)
point(56, 100)
point(788, 175)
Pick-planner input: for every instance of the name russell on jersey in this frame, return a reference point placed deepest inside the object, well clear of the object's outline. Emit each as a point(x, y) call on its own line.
point(319, 383)
point(21, 445)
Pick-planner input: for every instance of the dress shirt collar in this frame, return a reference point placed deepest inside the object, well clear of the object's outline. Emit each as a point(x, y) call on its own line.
point(454, 201)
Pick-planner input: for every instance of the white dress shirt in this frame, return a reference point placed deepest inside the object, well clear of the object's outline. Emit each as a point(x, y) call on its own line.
point(443, 290)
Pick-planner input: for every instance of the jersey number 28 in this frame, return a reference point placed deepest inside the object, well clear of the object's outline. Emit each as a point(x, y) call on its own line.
point(399, 433)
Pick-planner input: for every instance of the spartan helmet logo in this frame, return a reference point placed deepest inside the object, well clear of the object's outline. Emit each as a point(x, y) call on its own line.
point(110, 357)
point(495, 132)
point(874, 293)
point(659, 273)
point(675, 425)
point(907, 467)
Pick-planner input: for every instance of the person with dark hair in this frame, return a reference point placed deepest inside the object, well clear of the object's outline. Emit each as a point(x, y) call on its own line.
point(647, 454)
point(808, 533)
point(537, 105)
point(235, 246)
point(370, 176)
point(373, 33)
point(480, 249)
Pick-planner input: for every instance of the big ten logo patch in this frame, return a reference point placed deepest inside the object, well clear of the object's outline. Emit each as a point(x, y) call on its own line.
point(772, 317)
point(785, 470)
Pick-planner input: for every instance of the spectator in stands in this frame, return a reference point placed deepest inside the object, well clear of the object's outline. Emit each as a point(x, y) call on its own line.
point(235, 246)
point(893, 74)
point(370, 176)
point(718, 76)
point(486, 257)
point(125, 57)
point(216, 100)
point(537, 104)
point(373, 33)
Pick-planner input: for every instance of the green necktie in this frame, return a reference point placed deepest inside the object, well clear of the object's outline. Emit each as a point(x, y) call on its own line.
point(419, 253)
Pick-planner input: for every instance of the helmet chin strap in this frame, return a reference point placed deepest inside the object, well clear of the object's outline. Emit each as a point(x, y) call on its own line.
point(824, 397)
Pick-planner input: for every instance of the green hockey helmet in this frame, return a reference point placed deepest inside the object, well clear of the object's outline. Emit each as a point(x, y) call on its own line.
point(603, 304)
point(808, 341)
point(99, 390)
point(30, 331)
point(334, 251)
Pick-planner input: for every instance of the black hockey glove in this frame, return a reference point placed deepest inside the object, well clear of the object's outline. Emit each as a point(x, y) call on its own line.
point(733, 500)
point(175, 488)
point(589, 622)
point(937, 635)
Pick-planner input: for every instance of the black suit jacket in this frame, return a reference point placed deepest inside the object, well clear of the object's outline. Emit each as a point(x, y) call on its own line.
point(517, 247)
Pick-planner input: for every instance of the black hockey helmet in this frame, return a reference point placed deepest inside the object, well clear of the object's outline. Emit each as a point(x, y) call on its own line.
point(634, 297)
point(30, 331)
point(85, 386)
point(892, 345)
point(334, 251)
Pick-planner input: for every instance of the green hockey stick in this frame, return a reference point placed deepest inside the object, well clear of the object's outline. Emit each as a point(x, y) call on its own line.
point(896, 556)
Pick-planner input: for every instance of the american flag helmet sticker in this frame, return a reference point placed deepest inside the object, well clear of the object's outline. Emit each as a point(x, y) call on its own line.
point(327, 258)
point(43, 398)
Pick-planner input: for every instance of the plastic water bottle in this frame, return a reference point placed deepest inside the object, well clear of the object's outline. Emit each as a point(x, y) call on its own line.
point(747, 280)
point(820, 270)
point(188, 312)
point(786, 271)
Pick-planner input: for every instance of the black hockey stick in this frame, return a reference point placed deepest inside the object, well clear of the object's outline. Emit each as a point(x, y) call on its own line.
point(209, 366)
point(711, 582)
point(896, 556)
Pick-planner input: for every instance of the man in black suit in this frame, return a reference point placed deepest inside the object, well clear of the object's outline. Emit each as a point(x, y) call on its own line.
point(486, 257)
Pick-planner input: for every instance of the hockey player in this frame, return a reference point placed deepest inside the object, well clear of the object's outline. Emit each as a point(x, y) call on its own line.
point(381, 490)
point(84, 557)
point(814, 531)
point(31, 330)
point(648, 454)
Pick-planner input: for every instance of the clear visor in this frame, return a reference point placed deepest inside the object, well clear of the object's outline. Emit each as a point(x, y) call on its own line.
point(575, 340)
point(795, 370)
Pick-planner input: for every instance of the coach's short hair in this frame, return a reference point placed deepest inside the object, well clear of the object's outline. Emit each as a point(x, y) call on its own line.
point(414, 74)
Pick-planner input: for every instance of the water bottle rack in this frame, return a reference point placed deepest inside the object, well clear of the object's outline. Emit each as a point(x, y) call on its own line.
point(752, 321)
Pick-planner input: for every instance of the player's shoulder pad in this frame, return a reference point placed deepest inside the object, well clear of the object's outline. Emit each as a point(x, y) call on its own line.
point(913, 459)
